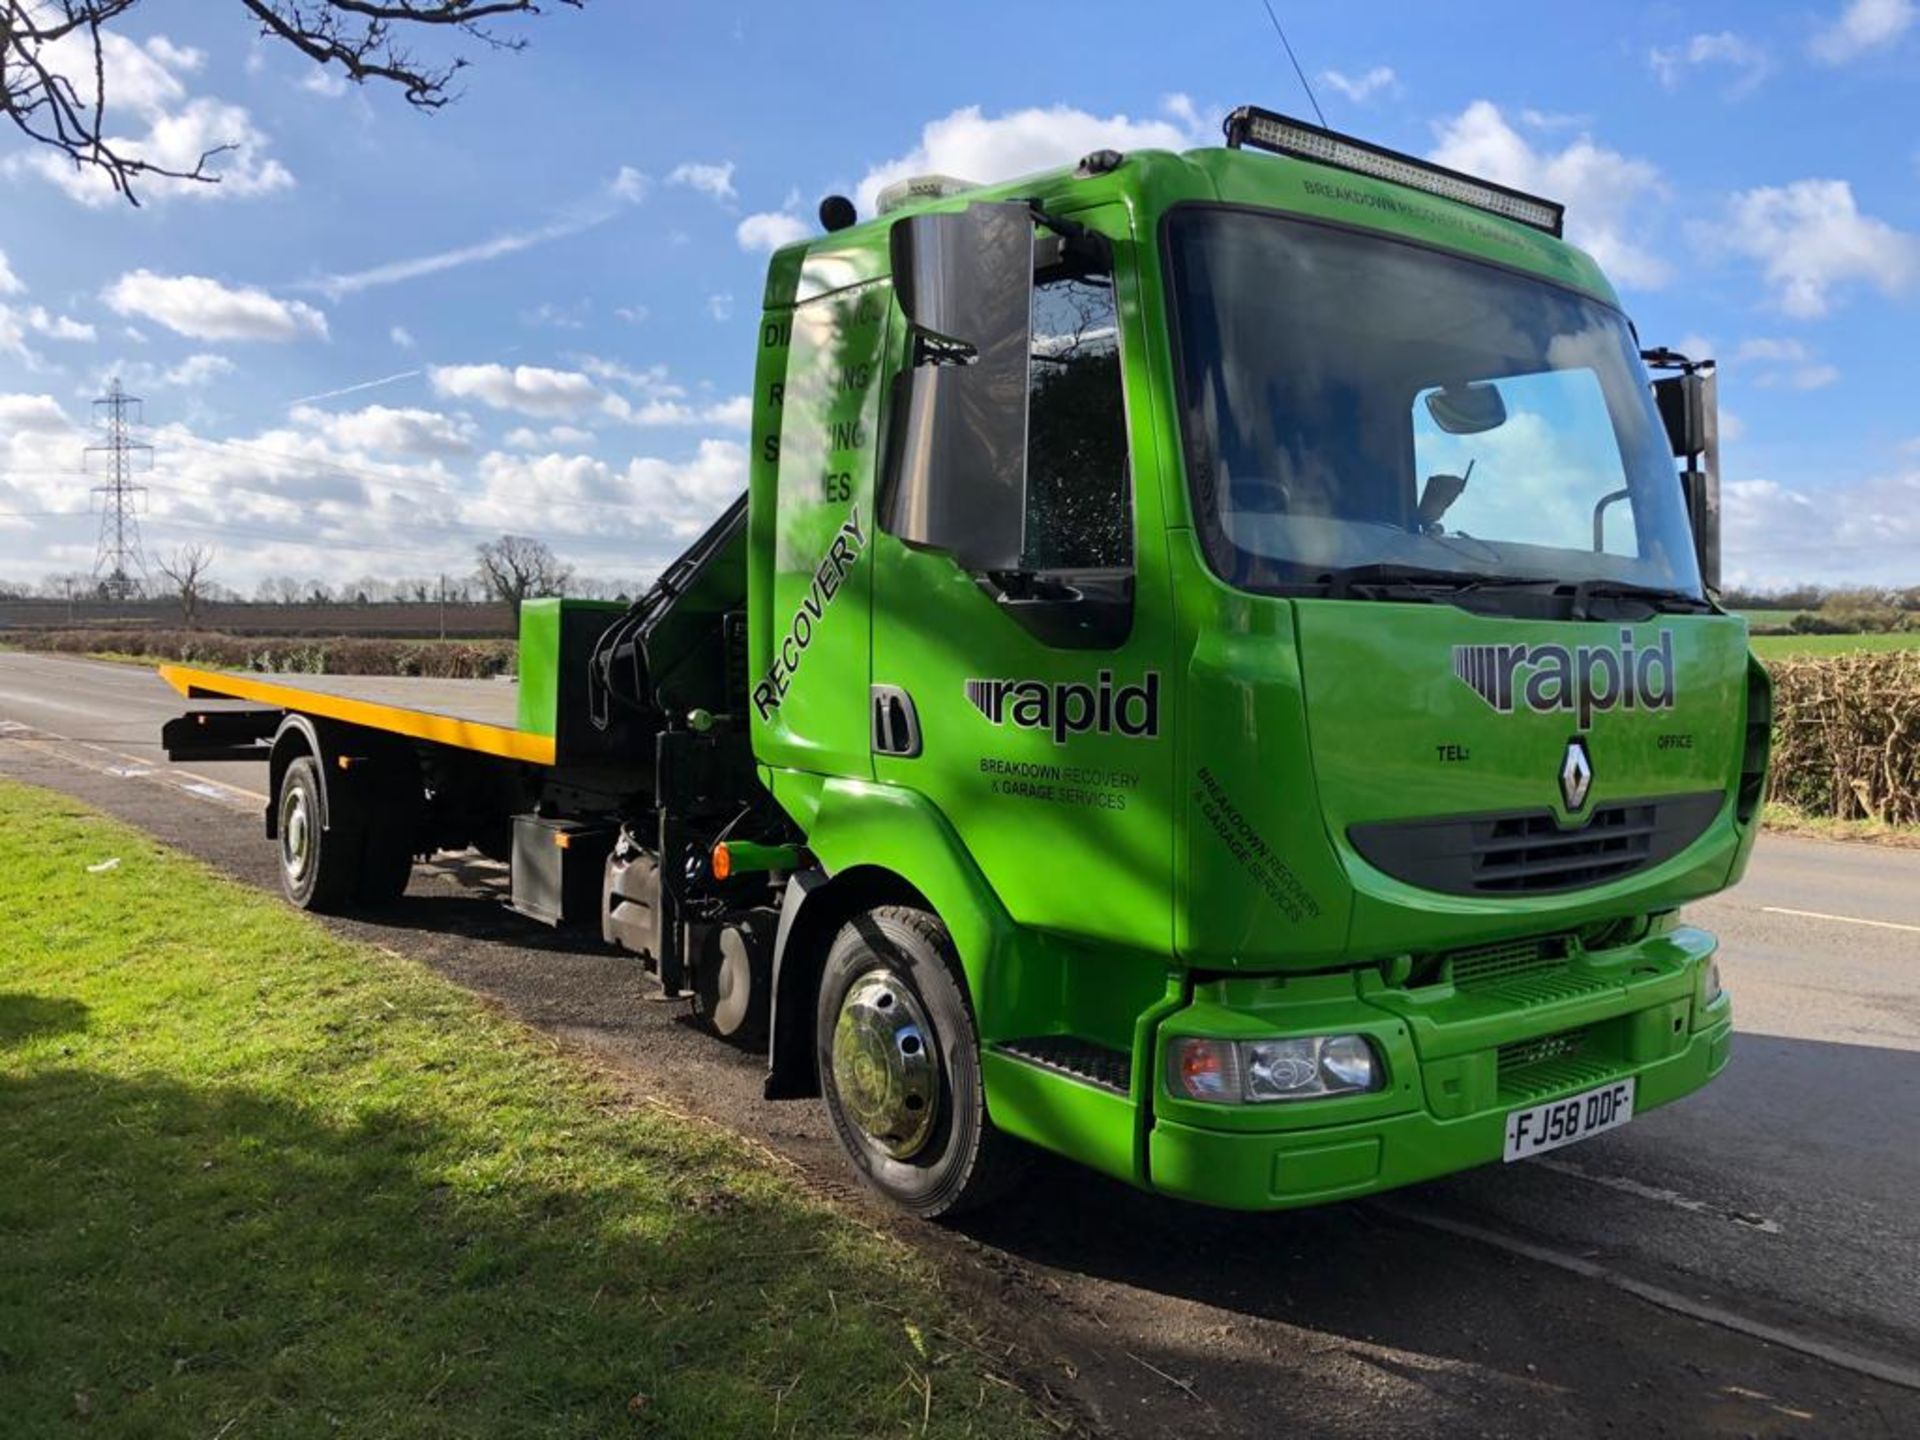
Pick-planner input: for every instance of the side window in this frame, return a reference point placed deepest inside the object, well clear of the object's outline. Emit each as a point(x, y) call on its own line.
point(1079, 498)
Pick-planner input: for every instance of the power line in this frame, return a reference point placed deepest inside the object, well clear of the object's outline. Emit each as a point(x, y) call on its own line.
point(118, 566)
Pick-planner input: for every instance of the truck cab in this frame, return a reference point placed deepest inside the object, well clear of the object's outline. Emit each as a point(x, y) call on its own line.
point(1249, 601)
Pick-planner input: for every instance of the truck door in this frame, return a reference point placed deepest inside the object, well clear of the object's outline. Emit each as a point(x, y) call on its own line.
point(1034, 708)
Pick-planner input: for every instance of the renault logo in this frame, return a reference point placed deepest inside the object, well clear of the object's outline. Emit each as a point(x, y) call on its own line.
point(1576, 774)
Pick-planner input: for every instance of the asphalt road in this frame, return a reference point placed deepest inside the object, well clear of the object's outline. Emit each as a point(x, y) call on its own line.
point(1744, 1262)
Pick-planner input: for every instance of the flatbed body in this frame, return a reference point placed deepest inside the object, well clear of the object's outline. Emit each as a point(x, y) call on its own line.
point(476, 715)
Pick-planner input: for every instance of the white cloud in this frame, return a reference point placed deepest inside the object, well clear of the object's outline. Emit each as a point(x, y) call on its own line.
point(1554, 120)
point(401, 337)
point(1608, 195)
point(529, 389)
point(32, 414)
point(527, 438)
point(10, 283)
point(771, 229)
point(381, 428)
point(720, 306)
point(1859, 533)
point(1863, 26)
point(324, 82)
point(1772, 363)
point(632, 314)
point(1750, 62)
point(205, 309)
point(713, 180)
point(1810, 240)
point(144, 80)
point(630, 185)
point(734, 413)
point(558, 317)
point(969, 145)
point(198, 370)
point(143, 376)
point(57, 327)
point(134, 333)
point(660, 400)
point(1361, 88)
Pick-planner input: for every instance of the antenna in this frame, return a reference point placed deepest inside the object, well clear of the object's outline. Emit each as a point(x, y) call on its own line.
point(1287, 45)
point(118, 566)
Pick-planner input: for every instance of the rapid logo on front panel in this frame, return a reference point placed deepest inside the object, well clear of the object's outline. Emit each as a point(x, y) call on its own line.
point(1585, 680)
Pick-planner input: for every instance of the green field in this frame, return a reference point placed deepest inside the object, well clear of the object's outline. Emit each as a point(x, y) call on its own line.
point(260, 1181)
point(1778, 647)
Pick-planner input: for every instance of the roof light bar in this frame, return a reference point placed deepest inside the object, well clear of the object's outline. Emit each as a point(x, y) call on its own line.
point(1264, 130)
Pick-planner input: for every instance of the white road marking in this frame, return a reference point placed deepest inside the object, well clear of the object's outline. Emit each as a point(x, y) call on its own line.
point(1627, 1185)
point(1840, 919)
point(1893, 1372)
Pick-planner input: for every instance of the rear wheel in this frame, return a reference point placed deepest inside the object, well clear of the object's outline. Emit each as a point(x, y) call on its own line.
point(319, 867)
point(899, 1064)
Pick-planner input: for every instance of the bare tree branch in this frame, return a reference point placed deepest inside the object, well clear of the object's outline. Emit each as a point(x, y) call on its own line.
point(189, 569)
point(516, 568)
point(368, 40)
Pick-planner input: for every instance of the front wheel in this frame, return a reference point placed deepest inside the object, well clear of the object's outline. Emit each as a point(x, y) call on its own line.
point(899, 1063)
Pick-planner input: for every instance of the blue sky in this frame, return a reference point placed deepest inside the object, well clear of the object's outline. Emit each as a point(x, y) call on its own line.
point(563, 268)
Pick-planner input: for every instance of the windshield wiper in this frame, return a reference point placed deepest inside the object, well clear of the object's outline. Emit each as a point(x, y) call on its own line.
point(1389, 574)
point(1657, 597)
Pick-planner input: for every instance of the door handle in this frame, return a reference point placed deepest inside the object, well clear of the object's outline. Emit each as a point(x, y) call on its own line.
point(896, 725)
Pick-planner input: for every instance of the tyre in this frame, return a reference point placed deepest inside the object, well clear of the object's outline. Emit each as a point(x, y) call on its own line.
point(732, 978)
point(319, 867)
point(899, 1064)
point(386, 863)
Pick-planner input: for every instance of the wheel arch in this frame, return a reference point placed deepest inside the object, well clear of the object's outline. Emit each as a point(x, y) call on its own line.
point(298, 735)
point(878, 845)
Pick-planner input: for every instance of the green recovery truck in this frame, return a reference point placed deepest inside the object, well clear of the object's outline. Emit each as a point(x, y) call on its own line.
point(1216, 674)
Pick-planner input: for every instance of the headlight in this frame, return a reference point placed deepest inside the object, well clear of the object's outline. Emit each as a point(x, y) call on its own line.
point(1311, 1067)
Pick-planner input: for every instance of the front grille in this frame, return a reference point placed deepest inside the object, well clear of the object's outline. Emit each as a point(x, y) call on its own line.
point(1520, 1054)
point(1532, 852)
point(1483, 967)
point(1529, 852)
point(1531, 1070)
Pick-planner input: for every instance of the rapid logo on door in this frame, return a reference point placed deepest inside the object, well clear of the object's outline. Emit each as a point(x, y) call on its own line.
point(1065, 708)
point(1586, 679)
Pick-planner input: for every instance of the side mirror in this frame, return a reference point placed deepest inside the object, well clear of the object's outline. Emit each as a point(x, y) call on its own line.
point(965, 283)
point(1690, 410)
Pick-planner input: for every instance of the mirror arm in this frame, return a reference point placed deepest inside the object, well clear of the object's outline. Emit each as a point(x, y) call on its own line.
point(1600, 518)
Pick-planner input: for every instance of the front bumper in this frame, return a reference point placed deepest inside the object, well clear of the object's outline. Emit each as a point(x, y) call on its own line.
point(1450, 1089)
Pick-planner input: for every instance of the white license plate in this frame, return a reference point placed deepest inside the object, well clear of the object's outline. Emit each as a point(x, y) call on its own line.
point(1541, 1128)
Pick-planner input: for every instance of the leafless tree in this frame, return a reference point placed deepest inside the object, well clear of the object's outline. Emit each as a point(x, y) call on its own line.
point(42, 42)
point(517, 567)
point(187, 570)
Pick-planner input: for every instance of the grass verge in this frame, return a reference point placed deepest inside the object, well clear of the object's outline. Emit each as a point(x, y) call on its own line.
point(261, 1181)
point(1784, 819)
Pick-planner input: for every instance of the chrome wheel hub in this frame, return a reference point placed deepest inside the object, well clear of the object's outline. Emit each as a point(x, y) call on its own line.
point(883, 1064)
point(296, 834)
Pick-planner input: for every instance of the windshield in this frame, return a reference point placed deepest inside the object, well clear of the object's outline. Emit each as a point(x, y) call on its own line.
point(1357, 403)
